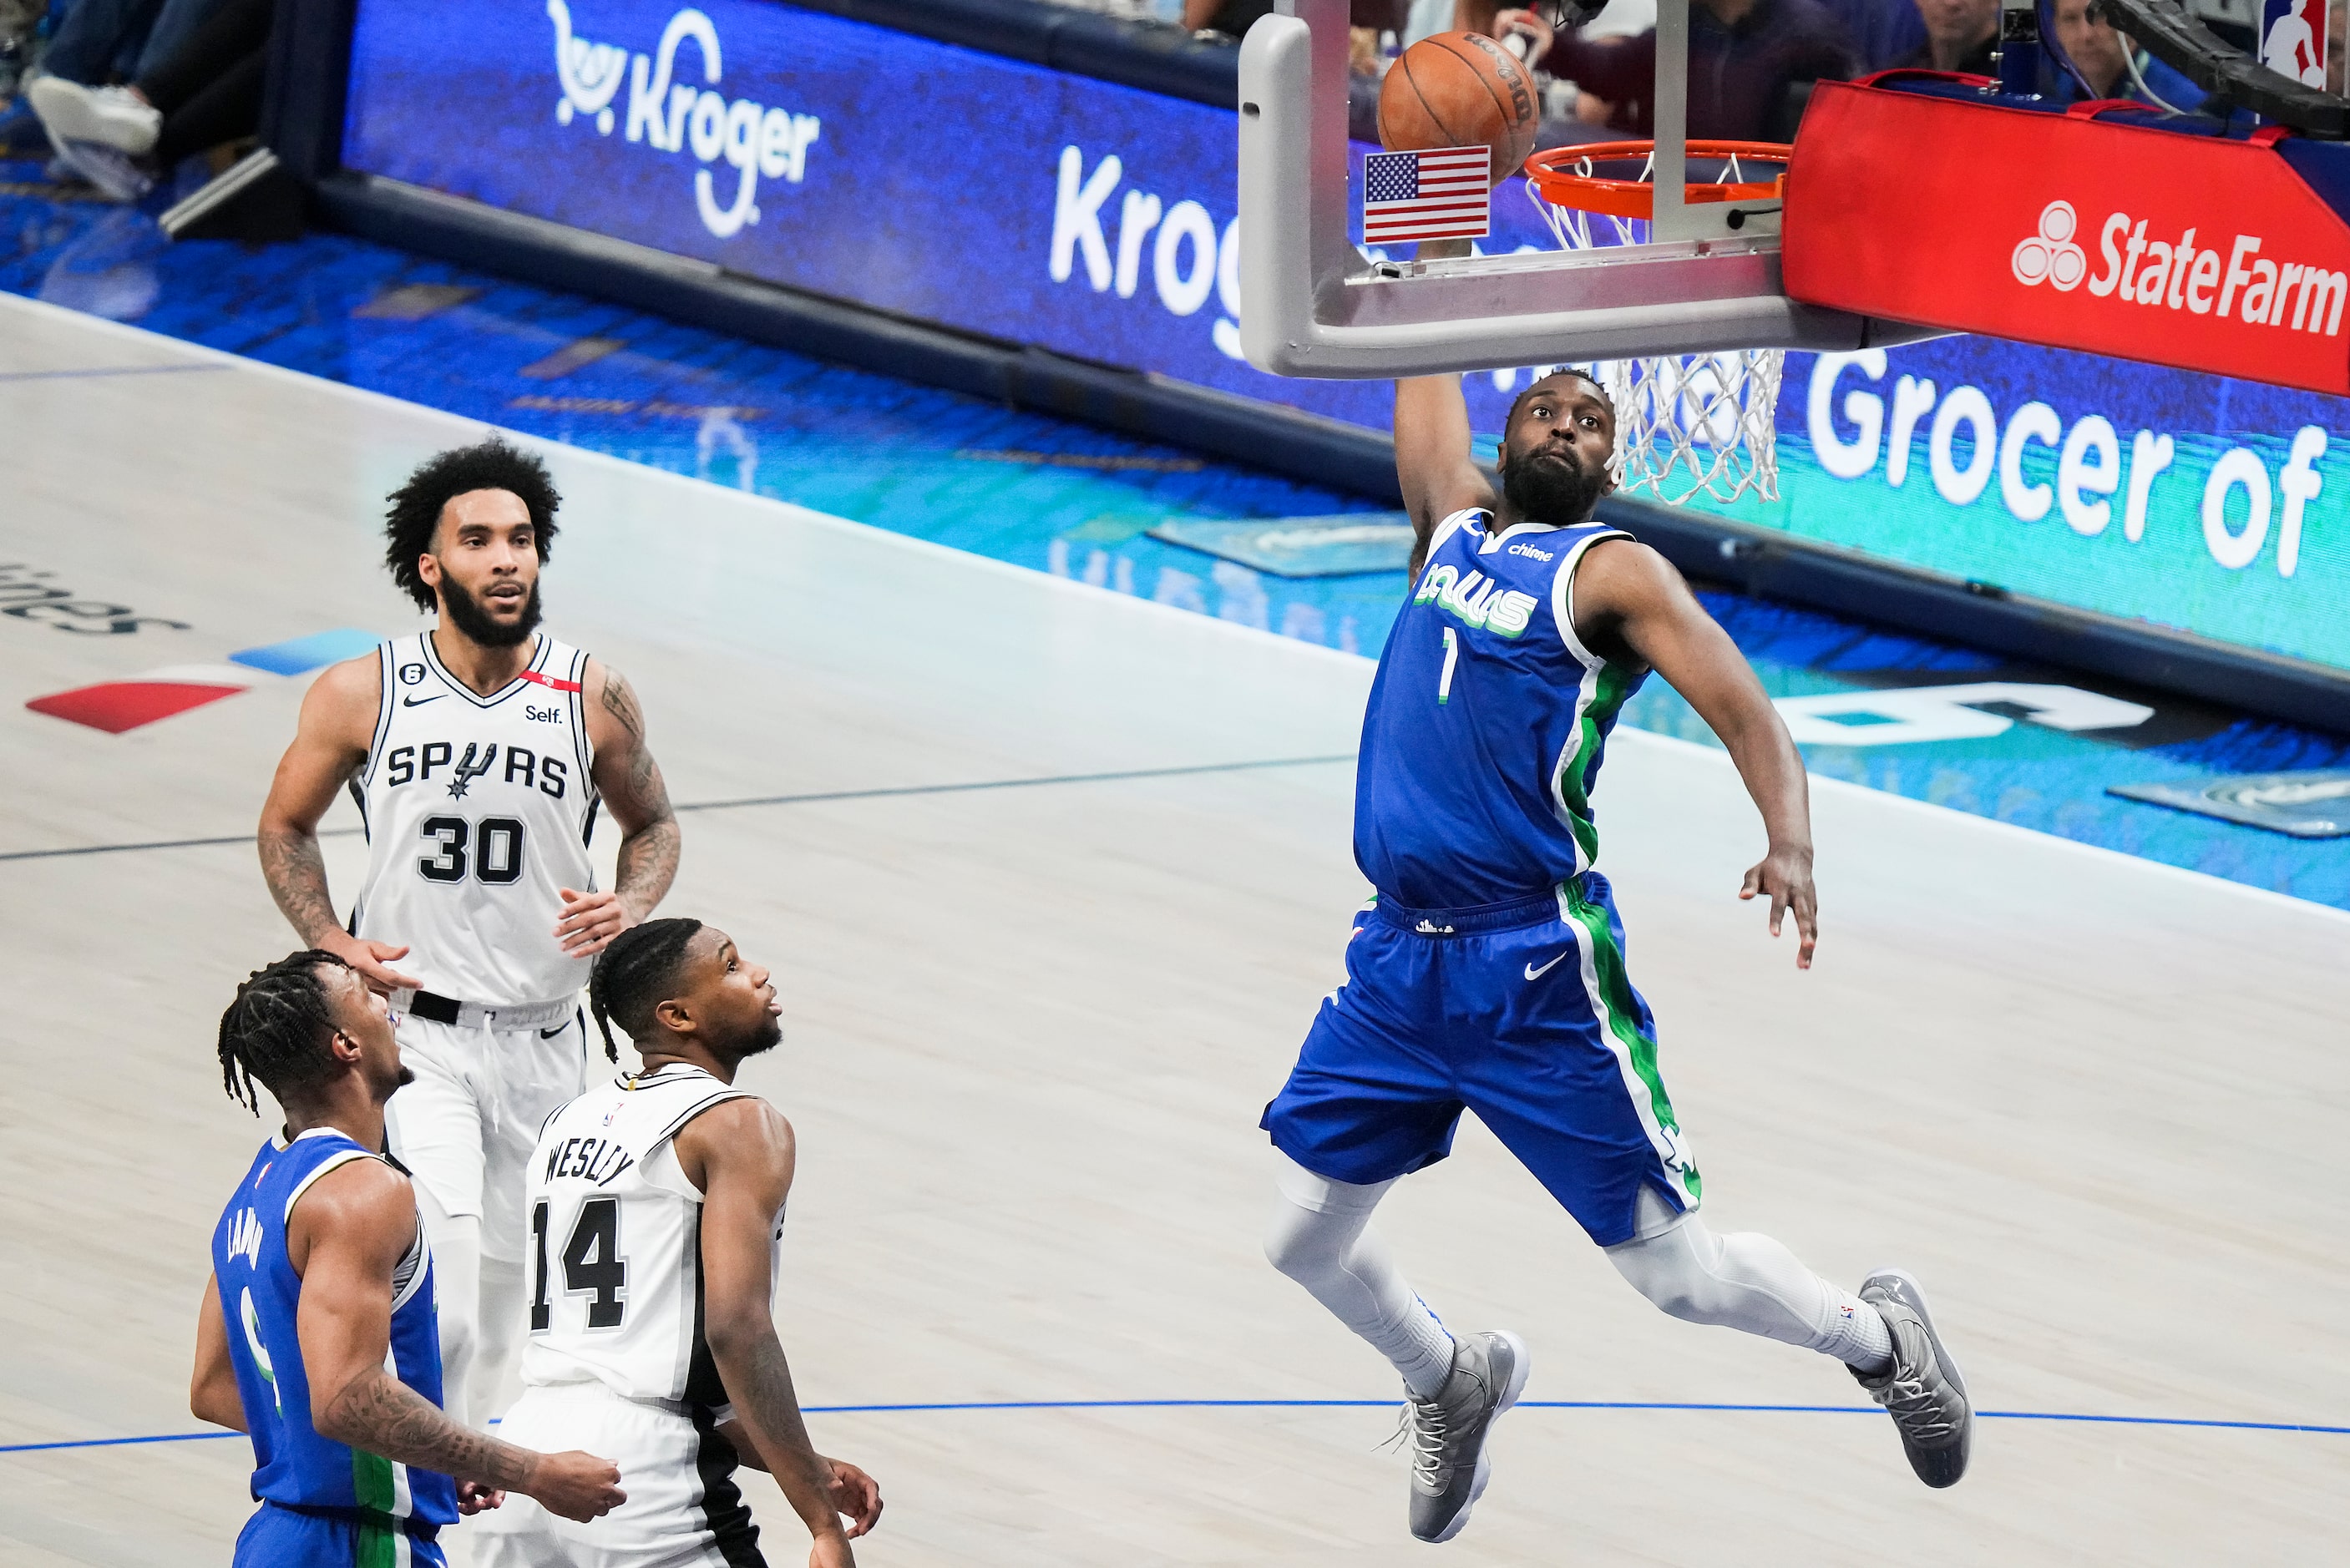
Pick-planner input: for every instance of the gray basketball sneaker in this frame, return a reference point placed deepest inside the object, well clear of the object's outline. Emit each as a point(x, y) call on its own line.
point(1922, 1390)
point(1447, 1434)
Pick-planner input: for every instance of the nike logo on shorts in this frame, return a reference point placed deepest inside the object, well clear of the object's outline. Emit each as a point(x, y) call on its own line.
point(1533, 973)
point(551, 1034)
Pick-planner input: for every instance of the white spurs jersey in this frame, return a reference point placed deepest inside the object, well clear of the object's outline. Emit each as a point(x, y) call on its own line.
point(615, 1267)
point(478, 810)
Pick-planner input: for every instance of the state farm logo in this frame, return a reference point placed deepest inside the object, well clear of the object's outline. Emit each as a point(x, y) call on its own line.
point(2178, 274)
point(2050, 256)
point(668, 116)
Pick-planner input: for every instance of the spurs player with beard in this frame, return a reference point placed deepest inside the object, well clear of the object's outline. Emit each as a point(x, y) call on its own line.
point(656, 1216)
point(1487, 973)
point(480, 753)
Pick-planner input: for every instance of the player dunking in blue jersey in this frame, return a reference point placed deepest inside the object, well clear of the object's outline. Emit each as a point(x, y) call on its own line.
point(1488, 972)
point(316, 1333)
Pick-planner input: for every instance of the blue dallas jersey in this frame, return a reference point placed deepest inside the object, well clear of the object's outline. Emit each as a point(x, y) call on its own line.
point(260, 1296)
point(1487, 723)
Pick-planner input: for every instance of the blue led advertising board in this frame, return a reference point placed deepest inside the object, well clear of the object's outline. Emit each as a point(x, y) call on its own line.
point(1097, 220)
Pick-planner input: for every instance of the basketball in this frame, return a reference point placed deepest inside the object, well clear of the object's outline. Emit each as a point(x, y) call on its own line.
point(1460, 89)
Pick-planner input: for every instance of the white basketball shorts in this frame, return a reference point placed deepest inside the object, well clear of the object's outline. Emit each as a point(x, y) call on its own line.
point(683, 1509)
point(466, 1125)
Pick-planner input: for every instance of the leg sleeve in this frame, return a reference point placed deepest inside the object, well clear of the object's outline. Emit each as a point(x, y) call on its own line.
point(1320, 1237)
point(1749, 1282)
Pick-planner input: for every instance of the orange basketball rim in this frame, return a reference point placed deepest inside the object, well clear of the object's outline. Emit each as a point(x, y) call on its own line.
point(1566, 175)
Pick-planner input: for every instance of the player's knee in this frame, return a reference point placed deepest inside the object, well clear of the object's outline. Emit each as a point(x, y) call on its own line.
point(1304, 1245)
point(1672, 1274)
point(1288, 1251)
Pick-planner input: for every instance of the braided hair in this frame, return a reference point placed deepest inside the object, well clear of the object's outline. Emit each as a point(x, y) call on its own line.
point(277, 1028)
point(634, 974)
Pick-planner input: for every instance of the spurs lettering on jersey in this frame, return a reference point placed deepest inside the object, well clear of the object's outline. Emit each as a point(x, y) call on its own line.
point(615, 1265)
point(478, 811)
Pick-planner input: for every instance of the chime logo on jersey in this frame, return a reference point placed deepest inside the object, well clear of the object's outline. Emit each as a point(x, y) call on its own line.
point(545, 772)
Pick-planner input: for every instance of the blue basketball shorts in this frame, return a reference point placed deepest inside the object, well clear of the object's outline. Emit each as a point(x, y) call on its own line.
point(279, 1537)
point(1520, 1012)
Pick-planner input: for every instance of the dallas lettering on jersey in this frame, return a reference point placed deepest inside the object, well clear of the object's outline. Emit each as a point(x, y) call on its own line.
point(416, 764)
point(1472, 601)
point(592, 1159)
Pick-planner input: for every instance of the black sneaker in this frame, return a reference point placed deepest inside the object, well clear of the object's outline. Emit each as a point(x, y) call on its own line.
point(1922, 1390)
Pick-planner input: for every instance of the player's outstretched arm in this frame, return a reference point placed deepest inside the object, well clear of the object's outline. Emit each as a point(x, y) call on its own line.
point(344, 1237)
point(1438, 472)
point(330, 744)
point(1625, 593)
point(741, 1155)
point(631, 784)
point(212, 1393)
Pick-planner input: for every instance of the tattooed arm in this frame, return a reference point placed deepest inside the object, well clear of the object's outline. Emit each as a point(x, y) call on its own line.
point(344, 1237)
point(330, 744)
point(624, 770)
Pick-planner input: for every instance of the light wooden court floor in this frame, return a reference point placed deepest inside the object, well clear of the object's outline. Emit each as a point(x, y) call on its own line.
point(2096, 1104)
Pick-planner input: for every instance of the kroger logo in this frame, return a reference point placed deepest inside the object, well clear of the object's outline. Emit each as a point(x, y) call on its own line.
point(1188, 262)
point(669, 116)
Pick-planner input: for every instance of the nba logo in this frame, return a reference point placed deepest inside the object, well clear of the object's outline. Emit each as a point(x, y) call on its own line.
point(2292, 39)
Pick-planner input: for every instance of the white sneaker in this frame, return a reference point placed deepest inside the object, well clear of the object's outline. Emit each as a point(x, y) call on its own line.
point(111, 116)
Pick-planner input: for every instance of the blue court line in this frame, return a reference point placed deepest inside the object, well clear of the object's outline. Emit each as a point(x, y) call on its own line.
point(104, 371)
point(1362, 1405)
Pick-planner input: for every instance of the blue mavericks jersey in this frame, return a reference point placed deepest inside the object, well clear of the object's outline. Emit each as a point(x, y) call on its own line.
point(1487, 723)
point(261, 1296)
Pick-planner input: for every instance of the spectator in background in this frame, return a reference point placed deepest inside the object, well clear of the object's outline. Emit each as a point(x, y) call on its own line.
point(1233, 18)
point(1959, 37)
point(1750, 70)
point(2103, 55)
point(207, 92)
point(102, 41)
point(1886, 32)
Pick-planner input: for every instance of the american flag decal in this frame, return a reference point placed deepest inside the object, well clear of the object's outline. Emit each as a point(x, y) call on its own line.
point(1445, 194)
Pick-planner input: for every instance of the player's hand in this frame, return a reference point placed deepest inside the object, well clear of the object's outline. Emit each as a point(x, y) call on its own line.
point(831, 1550)
point(372, 960)
point(472, 1498)
point(590, 921)
point(577, 1485)
point(1785, 875)
point(1540, 34)
point(856, 1496)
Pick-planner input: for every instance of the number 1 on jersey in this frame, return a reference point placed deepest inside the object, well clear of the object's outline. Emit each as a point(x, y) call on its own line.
point(1451, 657)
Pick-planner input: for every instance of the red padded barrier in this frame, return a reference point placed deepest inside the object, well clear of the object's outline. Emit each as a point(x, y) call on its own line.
point(2195, 252)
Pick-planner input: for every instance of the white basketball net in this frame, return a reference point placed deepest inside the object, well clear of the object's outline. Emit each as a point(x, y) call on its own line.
point(1685, 423)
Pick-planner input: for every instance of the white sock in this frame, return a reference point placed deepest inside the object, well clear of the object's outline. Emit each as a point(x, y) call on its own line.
point(1751, 1283)
point(1320, 1237)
